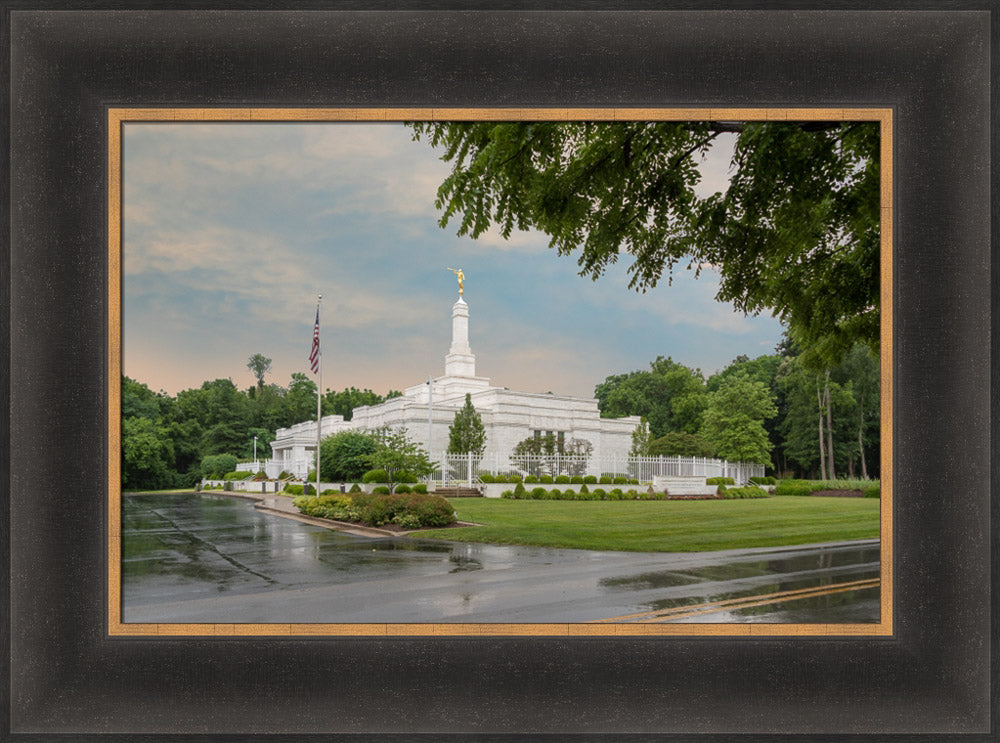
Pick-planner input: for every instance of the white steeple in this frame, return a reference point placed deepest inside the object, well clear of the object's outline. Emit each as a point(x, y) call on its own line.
point(460, 361)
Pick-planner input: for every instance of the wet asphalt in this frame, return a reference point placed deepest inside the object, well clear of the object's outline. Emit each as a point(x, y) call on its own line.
point(205, 558)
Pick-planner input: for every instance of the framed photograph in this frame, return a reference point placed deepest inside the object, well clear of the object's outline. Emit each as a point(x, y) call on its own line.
point(132, 203)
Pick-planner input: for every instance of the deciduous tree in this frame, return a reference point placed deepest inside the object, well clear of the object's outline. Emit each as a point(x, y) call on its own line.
point(734, 420)
point(796, 232)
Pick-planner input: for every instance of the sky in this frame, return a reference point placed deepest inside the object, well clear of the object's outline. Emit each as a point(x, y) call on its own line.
point(231, 230)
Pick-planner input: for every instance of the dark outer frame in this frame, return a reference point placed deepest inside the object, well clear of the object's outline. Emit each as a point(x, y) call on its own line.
point(932, 677)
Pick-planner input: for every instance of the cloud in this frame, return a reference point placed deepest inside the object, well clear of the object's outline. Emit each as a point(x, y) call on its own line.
point(230, 231)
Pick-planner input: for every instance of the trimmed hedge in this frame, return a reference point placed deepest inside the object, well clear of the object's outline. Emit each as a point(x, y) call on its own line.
point(747, 492)
point(762, 481)
point(719, 481)
point(868, 488)
point(403, 488)
point(409, 510)
point(240, 475)
point(541, 493)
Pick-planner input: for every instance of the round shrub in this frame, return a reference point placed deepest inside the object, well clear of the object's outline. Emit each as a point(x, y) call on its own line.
point(576, 479)
point(404, 488)
point(569, 494)
point(555, 493)
point(292, 488)
point(514, 477)
point(545, 479)
point(562, 479)
point(599, 493)
point(421, 488)
point(606, 480)
point(375, 476)
point(590, 479)
point(633, 481)
point(620, 480)
point(531, 479)
point(486, 477)
point(538, 493)
point(380, 490)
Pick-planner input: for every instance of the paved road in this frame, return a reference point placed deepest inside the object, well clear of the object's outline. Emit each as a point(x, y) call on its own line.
point(216, 559)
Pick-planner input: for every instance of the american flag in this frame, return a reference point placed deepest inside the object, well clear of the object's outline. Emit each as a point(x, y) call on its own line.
point(314, 353)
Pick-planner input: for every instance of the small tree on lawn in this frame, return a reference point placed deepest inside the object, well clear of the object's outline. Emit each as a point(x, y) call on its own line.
point(395, 453)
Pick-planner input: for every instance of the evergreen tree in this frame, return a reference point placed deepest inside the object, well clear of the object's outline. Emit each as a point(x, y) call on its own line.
point(467, 433)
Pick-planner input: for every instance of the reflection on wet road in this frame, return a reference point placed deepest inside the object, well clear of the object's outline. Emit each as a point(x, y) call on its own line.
point(203, 558)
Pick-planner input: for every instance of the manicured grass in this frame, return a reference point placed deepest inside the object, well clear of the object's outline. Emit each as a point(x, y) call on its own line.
point(664, 526)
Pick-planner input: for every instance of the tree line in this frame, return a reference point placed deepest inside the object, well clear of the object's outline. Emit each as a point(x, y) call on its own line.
point(778, 409)
point(165, 438)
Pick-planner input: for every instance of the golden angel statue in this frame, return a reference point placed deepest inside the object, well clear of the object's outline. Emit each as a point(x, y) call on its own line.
point(461, 279)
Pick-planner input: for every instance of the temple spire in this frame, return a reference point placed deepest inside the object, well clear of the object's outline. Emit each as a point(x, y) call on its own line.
point(460, 362)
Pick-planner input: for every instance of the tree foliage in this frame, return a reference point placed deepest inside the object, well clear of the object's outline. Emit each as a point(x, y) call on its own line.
point(260, 365)
point(344, 456)
point(795, 234)
point(395, 453)
point(641, 440)
point(734, 420)
point(669, 395)
point(467, 433)
point(680, 444)
point(344, 402)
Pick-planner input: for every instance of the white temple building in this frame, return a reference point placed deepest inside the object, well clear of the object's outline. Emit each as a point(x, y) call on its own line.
point(427, 411)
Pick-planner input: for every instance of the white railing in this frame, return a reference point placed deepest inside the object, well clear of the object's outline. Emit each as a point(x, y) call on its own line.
point(467, 467)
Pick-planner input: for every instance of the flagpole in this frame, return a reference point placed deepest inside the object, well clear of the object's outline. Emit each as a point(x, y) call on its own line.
point(319, 399)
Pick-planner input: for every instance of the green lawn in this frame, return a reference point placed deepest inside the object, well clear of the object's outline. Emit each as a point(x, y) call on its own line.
point(664, 526)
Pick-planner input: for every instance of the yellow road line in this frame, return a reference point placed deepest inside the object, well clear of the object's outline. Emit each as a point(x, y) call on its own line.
point(751, 604)
point(744, 602)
